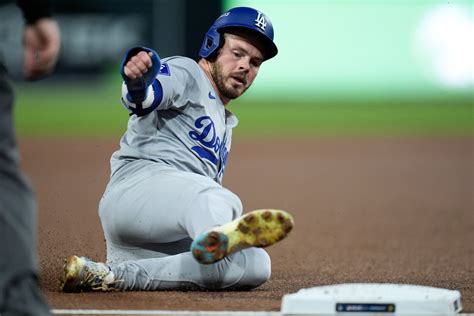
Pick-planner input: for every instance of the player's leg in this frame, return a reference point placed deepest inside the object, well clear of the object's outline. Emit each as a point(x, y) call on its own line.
point(19, 292)
point(243, 270)
point(177, 206)
point(182, 204)
point(156, 212)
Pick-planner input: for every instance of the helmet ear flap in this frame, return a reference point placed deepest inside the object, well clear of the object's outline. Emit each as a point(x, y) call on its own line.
point(210, 43)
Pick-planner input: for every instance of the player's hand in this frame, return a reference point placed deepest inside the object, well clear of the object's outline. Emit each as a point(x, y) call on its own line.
point(138, 65)
point(42, 41)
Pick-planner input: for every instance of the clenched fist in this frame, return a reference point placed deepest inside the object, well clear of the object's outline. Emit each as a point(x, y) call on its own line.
point(138, 65)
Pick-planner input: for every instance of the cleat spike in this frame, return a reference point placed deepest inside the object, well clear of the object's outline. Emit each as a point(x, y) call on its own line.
point(249, 218)
point(244, 229)
point(267, 216)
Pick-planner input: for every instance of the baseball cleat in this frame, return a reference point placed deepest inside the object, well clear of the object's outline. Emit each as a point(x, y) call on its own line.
point(260, 228)
point(82, 274)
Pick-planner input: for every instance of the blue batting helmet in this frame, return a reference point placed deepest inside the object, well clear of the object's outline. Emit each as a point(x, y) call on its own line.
point(240, 17)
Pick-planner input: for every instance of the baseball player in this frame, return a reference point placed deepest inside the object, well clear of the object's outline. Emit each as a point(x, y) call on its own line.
point(167, 220)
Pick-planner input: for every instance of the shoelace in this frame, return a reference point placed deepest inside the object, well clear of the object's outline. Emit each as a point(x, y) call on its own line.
point(94, 280)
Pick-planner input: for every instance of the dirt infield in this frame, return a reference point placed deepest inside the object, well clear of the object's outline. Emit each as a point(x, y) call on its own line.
point(366, 210)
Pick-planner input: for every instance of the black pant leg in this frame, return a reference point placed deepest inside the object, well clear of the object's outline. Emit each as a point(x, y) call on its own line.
point(19, 292)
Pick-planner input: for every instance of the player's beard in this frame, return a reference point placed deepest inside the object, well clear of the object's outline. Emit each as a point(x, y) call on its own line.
point(228, 92)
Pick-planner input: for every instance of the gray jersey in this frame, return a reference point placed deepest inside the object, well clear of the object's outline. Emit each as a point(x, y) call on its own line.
point(190, 130)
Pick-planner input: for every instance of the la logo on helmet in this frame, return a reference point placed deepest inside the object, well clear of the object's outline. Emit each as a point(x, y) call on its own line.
point(260, 21)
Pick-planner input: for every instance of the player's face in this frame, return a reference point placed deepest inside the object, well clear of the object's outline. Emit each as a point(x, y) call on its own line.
point(235, 67)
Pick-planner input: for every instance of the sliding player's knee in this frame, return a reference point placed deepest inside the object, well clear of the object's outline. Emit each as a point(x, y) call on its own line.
point(257, 269)
point(246, 269)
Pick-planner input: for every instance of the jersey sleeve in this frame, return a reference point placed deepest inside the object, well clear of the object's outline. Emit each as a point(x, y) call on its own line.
point(174, 84)
point(178, 78)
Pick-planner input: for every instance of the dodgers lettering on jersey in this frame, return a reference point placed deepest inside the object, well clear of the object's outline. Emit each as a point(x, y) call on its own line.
point(215, 150)
point(212, 142)
point(190, 129)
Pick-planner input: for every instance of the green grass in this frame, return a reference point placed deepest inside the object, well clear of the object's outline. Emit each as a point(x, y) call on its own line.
point(370, 118)
point(80, 112)
point(98, 113)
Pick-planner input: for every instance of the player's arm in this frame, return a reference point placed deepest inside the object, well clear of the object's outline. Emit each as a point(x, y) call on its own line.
point(141, 92)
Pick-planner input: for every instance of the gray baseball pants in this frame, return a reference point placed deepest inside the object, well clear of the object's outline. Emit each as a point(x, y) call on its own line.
point(150, 214)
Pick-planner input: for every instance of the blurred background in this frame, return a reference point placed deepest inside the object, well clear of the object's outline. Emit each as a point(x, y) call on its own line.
point(345, 67)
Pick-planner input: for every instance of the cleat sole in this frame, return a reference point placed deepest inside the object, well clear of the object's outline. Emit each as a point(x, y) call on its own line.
point(260, 228)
